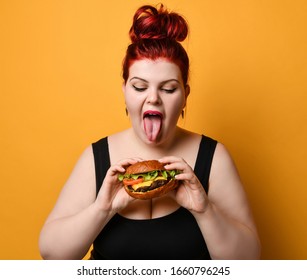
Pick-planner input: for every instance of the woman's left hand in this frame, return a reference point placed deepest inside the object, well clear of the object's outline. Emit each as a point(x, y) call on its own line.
point(190, 194)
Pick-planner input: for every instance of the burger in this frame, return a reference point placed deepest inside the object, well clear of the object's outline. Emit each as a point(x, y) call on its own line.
point(148, 179)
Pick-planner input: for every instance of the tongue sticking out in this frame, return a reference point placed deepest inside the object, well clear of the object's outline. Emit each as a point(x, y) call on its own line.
point(152, 126)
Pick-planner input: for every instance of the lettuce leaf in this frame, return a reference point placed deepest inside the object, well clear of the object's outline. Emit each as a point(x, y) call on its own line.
point(149, 176)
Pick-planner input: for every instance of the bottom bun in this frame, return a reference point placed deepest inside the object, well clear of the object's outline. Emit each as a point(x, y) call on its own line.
point(160, 191)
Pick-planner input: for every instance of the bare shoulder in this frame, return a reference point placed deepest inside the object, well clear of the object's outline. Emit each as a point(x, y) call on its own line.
point(226, 190)
point(222, 164)
point(120, 135)
point(79, 191)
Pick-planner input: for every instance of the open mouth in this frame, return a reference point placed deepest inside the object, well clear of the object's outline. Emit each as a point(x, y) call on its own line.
point(151, 113)
point(152, 124)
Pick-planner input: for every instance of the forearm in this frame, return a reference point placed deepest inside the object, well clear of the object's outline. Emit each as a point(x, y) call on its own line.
point(226, 238)
point(71, 237)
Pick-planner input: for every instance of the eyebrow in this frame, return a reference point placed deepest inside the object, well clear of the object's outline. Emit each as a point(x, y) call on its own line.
point(163, 82)
point(137, 78)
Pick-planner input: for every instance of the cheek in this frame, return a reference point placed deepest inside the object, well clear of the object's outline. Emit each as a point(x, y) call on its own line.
point(130, 106)
point(133, 104)
point(178, 104)
point(128, 98)
point(175, 108)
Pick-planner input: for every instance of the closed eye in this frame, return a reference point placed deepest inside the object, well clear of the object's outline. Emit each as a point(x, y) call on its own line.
point(169, 90)
point(139, 89)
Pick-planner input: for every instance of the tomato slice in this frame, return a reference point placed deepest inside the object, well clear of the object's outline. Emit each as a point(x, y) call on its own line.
point(130, 182)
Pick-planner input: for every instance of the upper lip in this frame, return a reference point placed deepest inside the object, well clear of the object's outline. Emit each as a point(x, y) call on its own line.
point(152, 113)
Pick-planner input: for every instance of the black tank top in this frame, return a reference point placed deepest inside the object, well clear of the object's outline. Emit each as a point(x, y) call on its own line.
point(174, 236)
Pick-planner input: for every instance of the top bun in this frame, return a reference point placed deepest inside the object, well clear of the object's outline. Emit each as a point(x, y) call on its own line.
point(144, 166)
point(152, 23)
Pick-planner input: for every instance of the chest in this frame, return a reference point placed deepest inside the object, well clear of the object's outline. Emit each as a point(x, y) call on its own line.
point(187, 150)
point(176, 236)
point(162, 206)
point(150, 209)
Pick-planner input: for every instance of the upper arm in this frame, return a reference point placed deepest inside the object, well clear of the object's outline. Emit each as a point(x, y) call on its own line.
point(226, 190)
point(79, 190)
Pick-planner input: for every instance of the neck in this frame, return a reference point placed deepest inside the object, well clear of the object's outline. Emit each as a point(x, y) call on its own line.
point(157, 149)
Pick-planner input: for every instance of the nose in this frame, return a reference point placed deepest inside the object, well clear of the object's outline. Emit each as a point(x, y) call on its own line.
point(153, 96)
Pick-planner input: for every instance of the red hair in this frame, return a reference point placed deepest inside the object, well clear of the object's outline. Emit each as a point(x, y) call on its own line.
point(156, 33)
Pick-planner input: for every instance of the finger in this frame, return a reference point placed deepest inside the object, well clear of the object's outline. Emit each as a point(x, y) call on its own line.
point(116, 169)
point(172, 163)
point(183, 167)
point(170, 159)
point(121, 165)
point(129, 161)
point(185, 177)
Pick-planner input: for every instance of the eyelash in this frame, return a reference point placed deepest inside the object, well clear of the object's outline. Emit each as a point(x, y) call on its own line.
point(170, 90)
point(165, 90)
point(139, 89)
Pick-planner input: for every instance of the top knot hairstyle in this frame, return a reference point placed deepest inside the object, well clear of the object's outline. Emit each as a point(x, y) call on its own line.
point(156, 33)
point(150, 23)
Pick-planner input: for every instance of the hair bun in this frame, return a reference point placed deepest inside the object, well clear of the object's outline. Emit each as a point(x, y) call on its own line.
point(152, 23)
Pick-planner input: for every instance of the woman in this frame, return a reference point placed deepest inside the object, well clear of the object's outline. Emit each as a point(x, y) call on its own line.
point(206, 217)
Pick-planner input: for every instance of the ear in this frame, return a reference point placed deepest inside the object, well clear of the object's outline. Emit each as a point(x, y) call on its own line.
point(187, 91)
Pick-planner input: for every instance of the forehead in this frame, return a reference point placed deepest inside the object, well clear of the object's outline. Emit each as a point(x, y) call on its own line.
point(155, 70)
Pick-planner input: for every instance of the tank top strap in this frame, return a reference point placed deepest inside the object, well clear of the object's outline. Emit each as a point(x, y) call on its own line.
point(204, 160)
point(102, 160)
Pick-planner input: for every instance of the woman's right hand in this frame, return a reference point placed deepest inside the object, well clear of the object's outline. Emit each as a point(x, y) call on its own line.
point(112, 196)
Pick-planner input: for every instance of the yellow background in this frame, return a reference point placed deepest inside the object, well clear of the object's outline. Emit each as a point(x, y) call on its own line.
point(60, 90)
